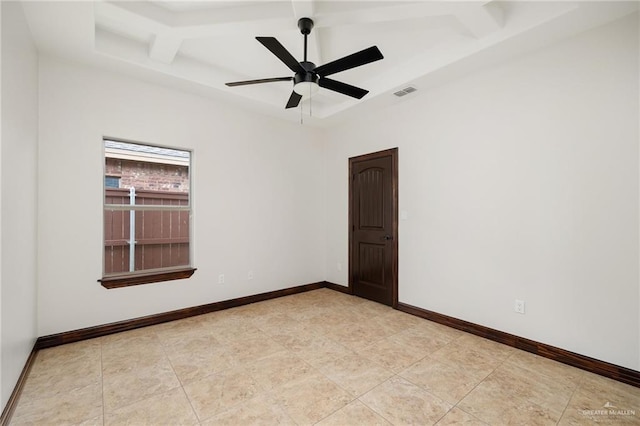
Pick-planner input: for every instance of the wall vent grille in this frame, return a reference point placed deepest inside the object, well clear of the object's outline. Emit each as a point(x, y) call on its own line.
point(405, 91)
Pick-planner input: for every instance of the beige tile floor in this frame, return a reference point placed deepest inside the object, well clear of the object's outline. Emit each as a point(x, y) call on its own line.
point(320, 357)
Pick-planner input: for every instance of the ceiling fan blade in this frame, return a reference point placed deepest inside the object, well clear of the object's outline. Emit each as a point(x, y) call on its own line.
point(362, 57)
point(262, 80)
point(283, 54)
point(344, 88)
point(294, 100)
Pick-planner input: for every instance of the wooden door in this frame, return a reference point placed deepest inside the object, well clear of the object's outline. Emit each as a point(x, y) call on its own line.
point(373, 217)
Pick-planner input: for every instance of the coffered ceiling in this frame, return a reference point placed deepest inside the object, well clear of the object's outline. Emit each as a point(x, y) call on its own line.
point(199, 45)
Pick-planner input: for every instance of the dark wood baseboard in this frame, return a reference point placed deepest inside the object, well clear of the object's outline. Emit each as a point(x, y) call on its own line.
point(337, 287)
point(12, 403)
point(603, 368)
point(131, 324)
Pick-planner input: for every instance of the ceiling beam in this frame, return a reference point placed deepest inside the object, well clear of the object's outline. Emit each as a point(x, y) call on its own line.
point(265, 18)
point(400, 12)
point(164, 47)
point(188, 25)
point(107, 12)
point(482, 20)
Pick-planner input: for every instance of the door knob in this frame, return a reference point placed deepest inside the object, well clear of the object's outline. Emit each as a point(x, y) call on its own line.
point(386, 238)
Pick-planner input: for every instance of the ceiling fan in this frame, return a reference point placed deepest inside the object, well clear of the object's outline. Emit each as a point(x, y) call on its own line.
point(308, 78)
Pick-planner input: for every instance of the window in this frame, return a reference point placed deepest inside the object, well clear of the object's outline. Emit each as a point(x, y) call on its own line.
point(112, 182)
point(147, 211)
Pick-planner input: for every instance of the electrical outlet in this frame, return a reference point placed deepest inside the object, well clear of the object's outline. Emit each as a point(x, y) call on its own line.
point(250, 275)
point(519, 306)
point(221, 279)
point(339, 266)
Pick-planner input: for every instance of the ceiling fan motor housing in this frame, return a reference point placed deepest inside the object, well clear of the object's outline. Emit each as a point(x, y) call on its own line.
point(309, 76)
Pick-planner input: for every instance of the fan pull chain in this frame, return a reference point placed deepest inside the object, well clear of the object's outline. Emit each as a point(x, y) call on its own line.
point(310, 108)
point(310, 103)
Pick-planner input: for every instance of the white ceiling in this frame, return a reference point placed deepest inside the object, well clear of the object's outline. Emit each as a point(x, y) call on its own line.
point(199, 45)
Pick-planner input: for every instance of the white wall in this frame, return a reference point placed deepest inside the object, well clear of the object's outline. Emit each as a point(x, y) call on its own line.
point(18, 195)
point(258, 195)
point(520, 181)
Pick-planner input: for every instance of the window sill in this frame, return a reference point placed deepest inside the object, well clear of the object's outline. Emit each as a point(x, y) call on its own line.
point(147, 277)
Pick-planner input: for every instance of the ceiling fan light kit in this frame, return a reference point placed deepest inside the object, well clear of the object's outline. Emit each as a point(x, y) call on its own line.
point(306, 89)
point(308, 78)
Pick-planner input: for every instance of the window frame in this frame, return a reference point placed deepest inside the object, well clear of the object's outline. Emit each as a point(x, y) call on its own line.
point(146, 276)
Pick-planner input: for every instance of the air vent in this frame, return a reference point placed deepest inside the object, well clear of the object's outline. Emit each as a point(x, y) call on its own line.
point(405, 91)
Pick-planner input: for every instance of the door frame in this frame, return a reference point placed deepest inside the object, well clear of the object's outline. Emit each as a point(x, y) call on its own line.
point(393, 152)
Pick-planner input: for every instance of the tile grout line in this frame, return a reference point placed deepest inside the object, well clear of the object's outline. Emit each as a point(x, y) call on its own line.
point(319, 371)
point(478, 384)
point(371, 390)
point(431, 393)
point(178, 377)
point(397, 374)
point(582, 376)
point(150, 395)
point(270, 392)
